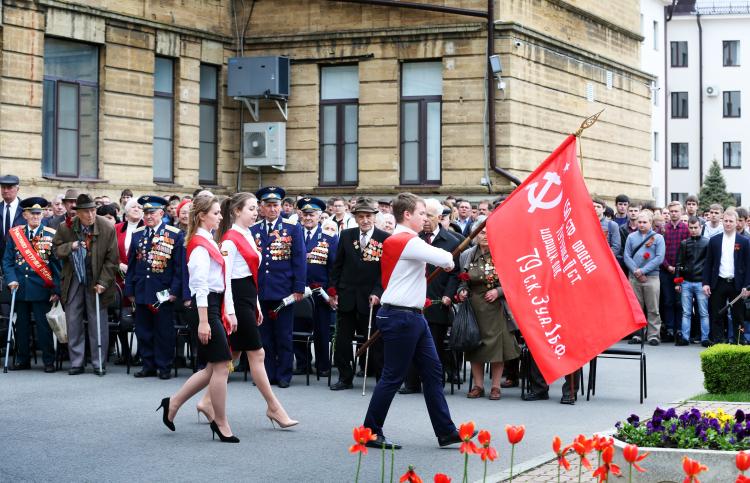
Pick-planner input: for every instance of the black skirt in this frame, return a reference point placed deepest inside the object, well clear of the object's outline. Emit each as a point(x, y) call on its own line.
point(247, 336)
point(217, 349)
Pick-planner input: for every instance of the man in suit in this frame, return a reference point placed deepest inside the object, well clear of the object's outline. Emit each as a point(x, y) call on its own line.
point(10, 209)
point(282, 273)
point(88, 252)
point(440, 292)
point(355, 278)
point(156, 263)
point(33, 271)
point(726, 274)
point(464, 219)
point(321, 251)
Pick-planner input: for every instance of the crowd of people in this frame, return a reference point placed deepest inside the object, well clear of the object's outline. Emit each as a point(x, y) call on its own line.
point(301, 264)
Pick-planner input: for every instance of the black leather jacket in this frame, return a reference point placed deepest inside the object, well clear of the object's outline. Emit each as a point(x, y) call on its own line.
point(691, 258)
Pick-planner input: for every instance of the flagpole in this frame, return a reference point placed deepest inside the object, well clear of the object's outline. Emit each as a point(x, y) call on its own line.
point(587, 123)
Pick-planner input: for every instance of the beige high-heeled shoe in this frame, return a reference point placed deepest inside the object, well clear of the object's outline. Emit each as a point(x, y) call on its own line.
point(283, 425)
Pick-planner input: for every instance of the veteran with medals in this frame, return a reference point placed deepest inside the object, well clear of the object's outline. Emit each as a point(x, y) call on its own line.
point(154, 280)
point(31, 268)
point(281, 274)
point(321, 251)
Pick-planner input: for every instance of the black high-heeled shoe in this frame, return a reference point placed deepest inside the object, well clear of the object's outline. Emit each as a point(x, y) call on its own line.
point(165, 416)
point(224, 439)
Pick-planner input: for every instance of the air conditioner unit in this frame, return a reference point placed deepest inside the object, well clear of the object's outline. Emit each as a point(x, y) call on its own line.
point(264, 144)
point(712, 91)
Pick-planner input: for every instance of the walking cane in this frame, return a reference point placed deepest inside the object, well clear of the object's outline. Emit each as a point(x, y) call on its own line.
point(730, 304)
point(367, 352)
point(11, 321)
point(99, 335)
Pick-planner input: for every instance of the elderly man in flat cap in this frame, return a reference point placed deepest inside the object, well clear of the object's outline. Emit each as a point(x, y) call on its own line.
point(90, 258)
point(10, 210)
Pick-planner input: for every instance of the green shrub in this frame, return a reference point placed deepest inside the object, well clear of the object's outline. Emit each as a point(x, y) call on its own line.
point(726, 368)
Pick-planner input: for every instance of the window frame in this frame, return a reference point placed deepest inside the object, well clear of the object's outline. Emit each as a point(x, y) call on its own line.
point(674, 106)
point(727, 164)
point(215, 103)
point(672, 158)
point(78, 83)
point(171, 98)
point(675, 54)
point(340, 143)
point(677, 196)
point(724, 44)
point(728, 94)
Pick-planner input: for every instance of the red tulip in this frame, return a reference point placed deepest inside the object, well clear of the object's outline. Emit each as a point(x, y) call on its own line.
point(692, 469)
point(583, 446)
point(742, 461)
point(361, 436)
point(742, 479)
point(427, 303)
point(556, 443)
point(515, 433)
point(607, 467)
point(441, 478)
point(602, 442)
point(466, 432)
point(630, 453)
point(486, 451)
point(410, 476)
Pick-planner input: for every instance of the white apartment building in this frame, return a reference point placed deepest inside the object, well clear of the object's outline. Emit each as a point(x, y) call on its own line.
point(708, 75)
point(653, 62)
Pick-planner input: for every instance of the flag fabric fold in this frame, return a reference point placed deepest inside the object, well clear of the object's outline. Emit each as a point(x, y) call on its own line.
point(560, 278)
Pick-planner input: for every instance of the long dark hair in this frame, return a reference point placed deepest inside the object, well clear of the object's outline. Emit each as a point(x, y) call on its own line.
point(229, 207)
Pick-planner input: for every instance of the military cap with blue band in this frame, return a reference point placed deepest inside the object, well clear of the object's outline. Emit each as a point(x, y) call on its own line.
point(310, 204)
point(35, 204)
point(270, 194)
point(151, 202)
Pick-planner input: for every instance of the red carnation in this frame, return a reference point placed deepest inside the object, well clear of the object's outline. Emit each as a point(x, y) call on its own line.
point(646, 256)
point(463, 276)
point(331, 291)
point(427, 303)
point(678, 280)
point(314, 285)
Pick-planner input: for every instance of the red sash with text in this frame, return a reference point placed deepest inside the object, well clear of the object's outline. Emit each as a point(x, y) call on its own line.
point(215, 254)
point(393, 247)
point(248, 253)
point(28, 253)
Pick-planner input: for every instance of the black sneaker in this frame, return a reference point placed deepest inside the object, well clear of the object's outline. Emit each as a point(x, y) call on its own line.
point(653, 341)
point(636, 339)
point(682, 342)
point(706, 343)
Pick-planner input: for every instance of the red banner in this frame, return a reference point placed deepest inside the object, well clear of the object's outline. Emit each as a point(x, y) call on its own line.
point(561, 280)
point(31, 256)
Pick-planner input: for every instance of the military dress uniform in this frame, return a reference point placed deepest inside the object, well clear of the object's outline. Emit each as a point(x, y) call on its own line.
point(33, 294)
point(156, 262)
point(281, 273)
point(321, 253)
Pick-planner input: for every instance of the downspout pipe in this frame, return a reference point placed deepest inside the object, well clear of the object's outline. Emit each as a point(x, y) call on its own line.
point(489, 15)
point(700, 97)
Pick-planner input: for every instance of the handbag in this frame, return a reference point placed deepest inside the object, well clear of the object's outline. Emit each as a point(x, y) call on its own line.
point(465, 335)
point(56, 320)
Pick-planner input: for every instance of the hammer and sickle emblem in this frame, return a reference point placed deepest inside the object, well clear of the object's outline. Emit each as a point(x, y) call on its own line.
point(537, 200)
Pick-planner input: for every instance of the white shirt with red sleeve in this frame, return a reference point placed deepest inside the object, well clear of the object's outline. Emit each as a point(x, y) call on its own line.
point(407, 286)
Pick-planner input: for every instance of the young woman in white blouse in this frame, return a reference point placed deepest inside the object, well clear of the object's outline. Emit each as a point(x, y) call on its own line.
point(241, 299)
point(207, 285)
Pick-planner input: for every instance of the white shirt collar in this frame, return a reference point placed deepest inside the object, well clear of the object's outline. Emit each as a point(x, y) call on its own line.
point(369, 232)
point(237, 227)
point(401, 228)
point(311, 230)
point(204, 233)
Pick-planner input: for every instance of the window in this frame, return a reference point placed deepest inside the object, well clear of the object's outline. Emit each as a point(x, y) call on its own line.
point(207, 130)
point(679, 53)
point(731, 103)
point(732, 155)
point(679, 105)
point(163, 119)
point(679, 155)
point(70, 109)
point(731, 53)
point(681, 197)
point(421, 124)
point(656, 35)
point(655, 147)
point(339, 122)
point(737, 199)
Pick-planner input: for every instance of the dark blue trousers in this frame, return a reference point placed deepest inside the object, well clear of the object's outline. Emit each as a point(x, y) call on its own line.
point(320, 325)
point(671, 306)
point(156, 336)
point(407, 340)
point(276, 336)
point(43, 331)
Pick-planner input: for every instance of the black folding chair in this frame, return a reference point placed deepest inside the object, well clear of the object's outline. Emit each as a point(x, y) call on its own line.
point(621, 353)
point(304, 309)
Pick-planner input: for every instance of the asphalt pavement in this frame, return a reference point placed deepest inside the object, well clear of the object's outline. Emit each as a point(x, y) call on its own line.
point(55, 427)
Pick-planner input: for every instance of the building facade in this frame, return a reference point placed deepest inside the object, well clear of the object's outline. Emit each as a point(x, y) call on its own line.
point(708, 75)
point(132, 94)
